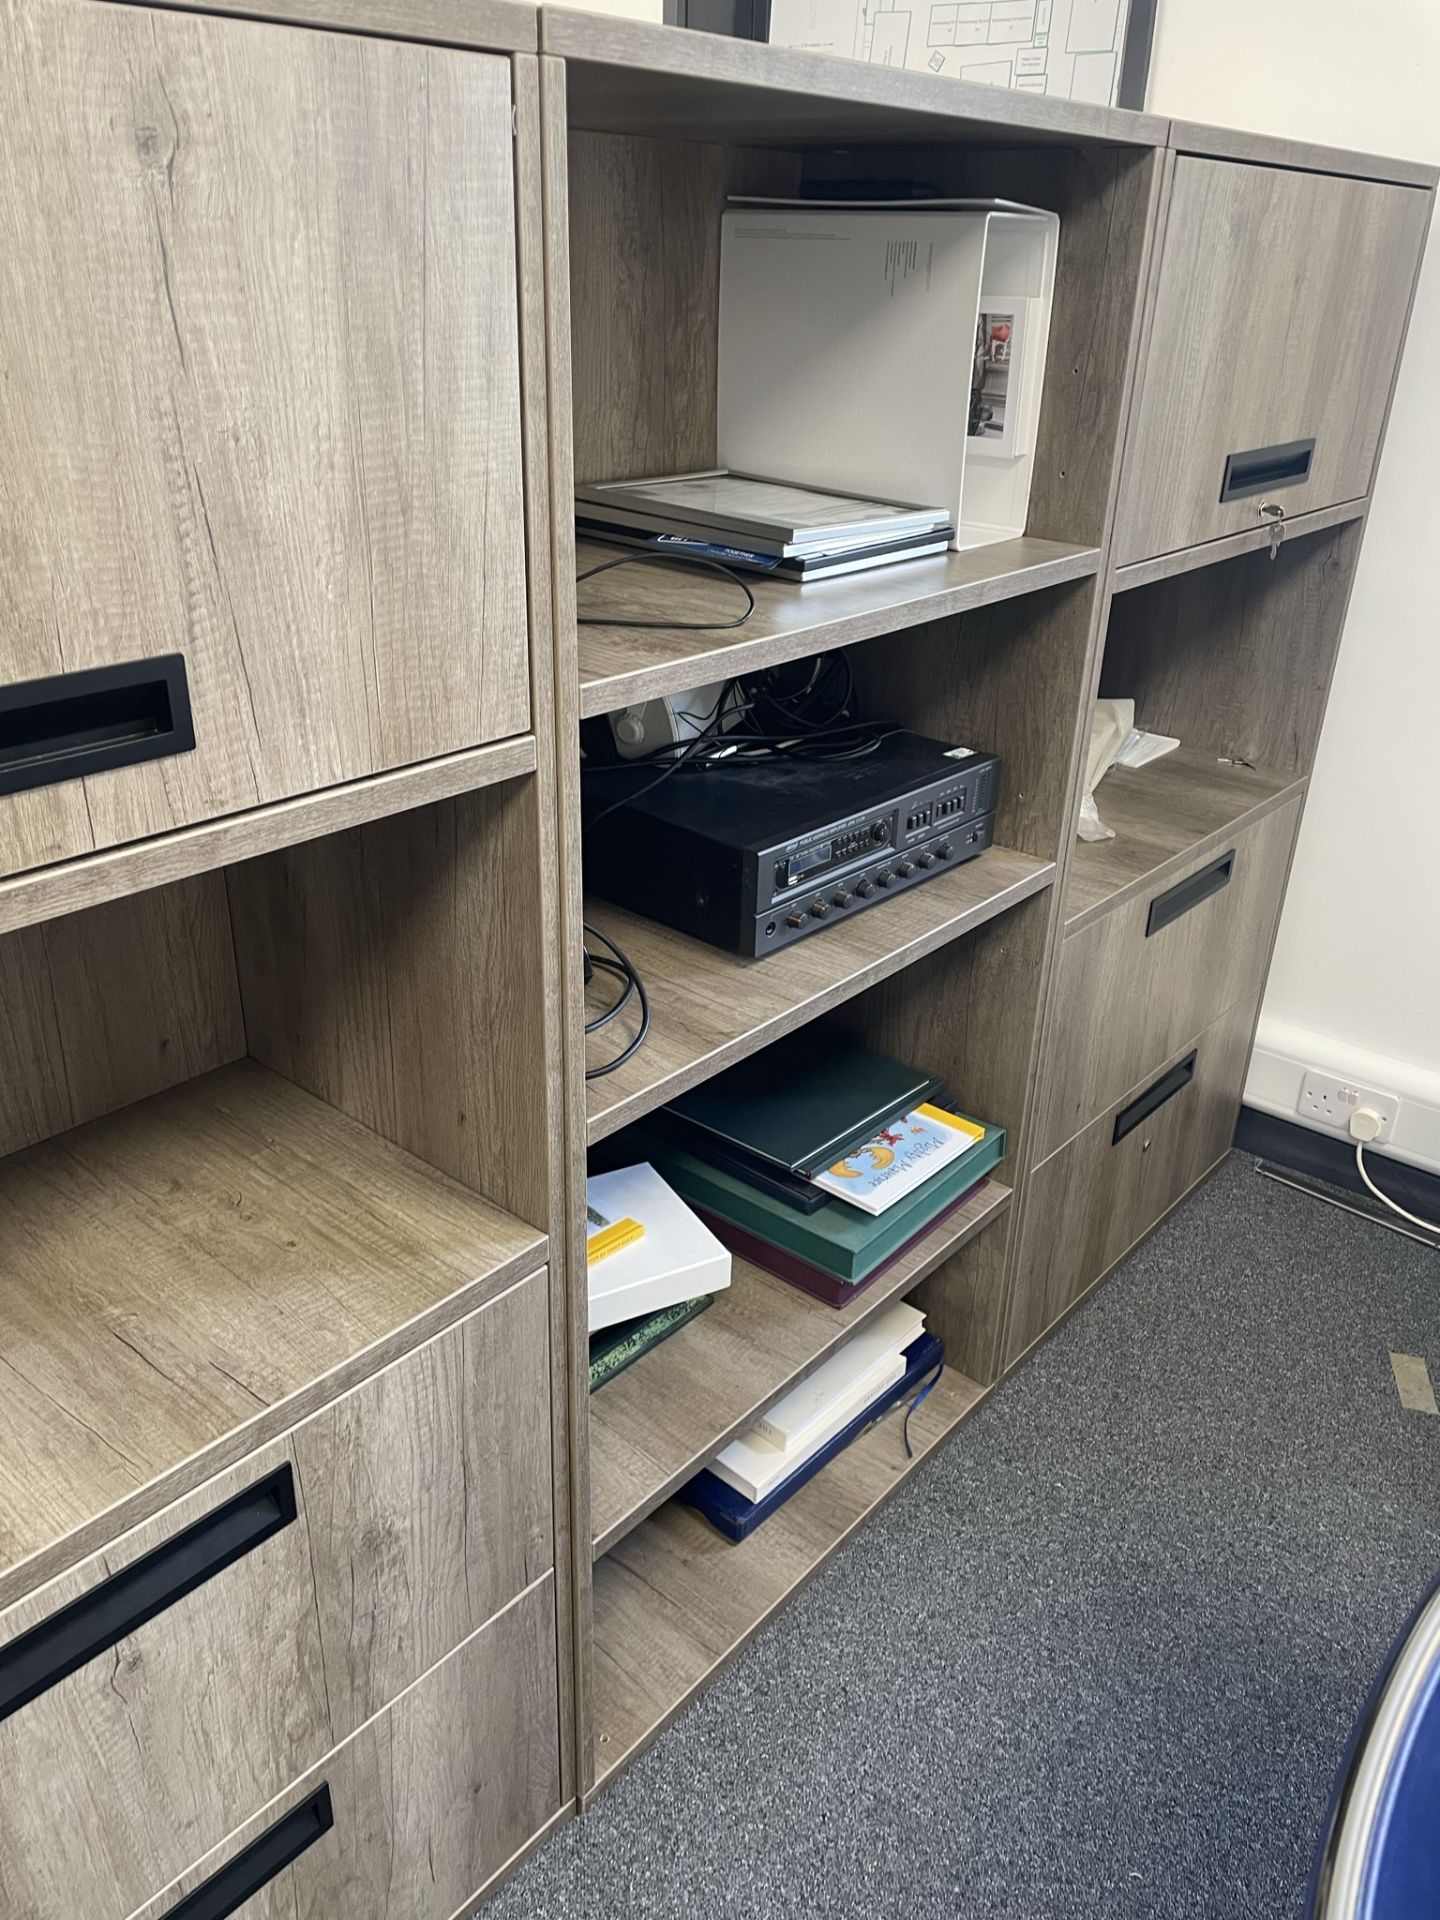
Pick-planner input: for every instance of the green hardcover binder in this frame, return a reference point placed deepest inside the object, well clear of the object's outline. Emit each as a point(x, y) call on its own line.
point(838, 1238)
point(806, 1101)
point(618, 1347)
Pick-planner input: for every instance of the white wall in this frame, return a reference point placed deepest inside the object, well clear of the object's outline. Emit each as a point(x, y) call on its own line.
point(1355, 987)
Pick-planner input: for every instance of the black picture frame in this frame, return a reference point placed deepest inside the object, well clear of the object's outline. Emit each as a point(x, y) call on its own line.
point(750, 20)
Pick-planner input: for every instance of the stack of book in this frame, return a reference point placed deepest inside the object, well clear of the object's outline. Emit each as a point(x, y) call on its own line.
point(821, 1161)
point(787, 1444)
point(760, 526)
point(653, 1265)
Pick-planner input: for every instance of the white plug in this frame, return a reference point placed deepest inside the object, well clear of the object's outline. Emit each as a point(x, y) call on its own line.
point(1365, 1124)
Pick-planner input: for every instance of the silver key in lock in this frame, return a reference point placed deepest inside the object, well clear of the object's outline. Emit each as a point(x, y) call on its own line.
point(1273, 514)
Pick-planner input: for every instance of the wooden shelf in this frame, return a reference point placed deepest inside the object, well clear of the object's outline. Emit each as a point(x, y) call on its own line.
point(1173, 811)
point(623, 665)
point(189, 1277)
point(664, 1417)
point(72, 885)
point(627, 76)
point(1166, 566)
point(709, 1009)
point(675, 1600)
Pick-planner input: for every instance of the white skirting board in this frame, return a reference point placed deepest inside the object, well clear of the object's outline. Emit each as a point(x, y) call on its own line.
point(1284, 1054)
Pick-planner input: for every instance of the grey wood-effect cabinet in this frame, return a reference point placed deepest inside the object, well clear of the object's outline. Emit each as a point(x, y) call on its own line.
point(314, 311)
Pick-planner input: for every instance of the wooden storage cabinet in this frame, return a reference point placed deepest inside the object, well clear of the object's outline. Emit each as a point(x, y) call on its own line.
point(1132, 985)
point(425, 1804)
point(262, 411)
point(1093, 1199)
point(1278, 316)
point(228, 1644)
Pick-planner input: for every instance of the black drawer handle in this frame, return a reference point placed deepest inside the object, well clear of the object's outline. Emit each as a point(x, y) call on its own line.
point(249, 1871)
point(93, 720)
point(1186, 894)
point(1144, 1104)
point(1262, 469)
point(89, 1626)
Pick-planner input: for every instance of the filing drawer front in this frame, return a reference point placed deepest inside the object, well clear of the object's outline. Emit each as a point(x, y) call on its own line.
point(1090, 1202)
point(1277, 322)
point(424, 1804)
point(256, 416)
point(1126, 998)
point(203, 1685)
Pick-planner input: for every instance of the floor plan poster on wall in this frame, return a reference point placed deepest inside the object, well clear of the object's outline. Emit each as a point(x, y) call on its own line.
point(1069, 47)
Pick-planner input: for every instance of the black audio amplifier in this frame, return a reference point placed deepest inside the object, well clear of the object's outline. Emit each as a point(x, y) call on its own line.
point(751, 855)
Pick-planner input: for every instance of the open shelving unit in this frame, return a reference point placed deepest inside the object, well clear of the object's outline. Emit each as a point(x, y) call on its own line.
point(646, 132)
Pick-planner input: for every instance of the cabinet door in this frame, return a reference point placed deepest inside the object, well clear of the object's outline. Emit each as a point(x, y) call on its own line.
point(178, 1681)
point(1278, 318)
point(410, 1818)
point(1088, 1204)
point(258, 352)
point(1130, 986)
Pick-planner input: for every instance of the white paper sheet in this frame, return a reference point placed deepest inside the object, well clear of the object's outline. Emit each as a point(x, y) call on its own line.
point(1066, 47)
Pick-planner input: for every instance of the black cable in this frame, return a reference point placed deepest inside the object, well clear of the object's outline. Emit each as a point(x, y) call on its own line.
point(617, 962)
point(667, 559)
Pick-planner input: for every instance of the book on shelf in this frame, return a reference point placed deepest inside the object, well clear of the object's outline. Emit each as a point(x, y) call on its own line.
point(755, 514)
point(844, 1241)
point(813, 1410)
point(902, 1156)
point(604, 1236)
point(730, 1513)
point(675, 1258)
point(801, 1421)
point(793, 1188)
point(618, 1347)
point(804, 1102)
point(797, 567)
point(814, 1280)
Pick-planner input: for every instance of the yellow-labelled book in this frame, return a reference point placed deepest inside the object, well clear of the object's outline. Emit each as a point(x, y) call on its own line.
point(656, 1250)
point(604, 1237)
point(902, 1156)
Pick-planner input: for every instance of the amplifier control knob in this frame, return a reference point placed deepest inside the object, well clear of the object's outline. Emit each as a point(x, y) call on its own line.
point(925, 859)
point(880, 830)
point(944, 849)
point(842, 898)
point(795, 919)
point(864, 888)
point(820, 908)
point(885, 878)
point(904, 868)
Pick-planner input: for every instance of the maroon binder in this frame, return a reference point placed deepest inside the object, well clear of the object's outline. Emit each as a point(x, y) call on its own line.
point(825, 1286)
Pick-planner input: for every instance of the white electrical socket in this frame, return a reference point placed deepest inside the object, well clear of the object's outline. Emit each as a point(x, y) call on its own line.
point(1330, 1102)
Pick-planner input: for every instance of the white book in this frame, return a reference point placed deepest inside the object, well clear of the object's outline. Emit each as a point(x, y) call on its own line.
point(754, 1465)
point(789, 1422)
point(676, 1258)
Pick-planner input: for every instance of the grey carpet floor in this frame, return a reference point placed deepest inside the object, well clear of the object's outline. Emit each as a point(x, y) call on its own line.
point(1101, 1656)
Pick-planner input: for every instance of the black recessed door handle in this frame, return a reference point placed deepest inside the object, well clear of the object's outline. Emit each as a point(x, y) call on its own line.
point(98, 1620)
point(1153, 1098)
point(1188, 893)
point(1263, 469)
point(244, 1876)
point(92, 721)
